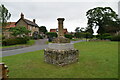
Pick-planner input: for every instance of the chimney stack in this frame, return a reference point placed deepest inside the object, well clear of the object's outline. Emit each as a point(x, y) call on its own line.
point(22, 15)
point(34, 20)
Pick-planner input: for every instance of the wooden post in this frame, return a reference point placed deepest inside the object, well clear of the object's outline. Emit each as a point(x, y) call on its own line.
point(3, 71)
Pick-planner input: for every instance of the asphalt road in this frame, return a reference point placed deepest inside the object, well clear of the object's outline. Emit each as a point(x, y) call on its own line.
point(39, 45)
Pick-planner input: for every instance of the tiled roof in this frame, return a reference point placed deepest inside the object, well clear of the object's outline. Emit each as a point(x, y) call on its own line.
point(30, 22)
point(10, 24)
point(53, 30)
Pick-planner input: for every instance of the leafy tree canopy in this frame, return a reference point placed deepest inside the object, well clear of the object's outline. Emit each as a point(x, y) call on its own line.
point(4, 15)
point(101, 17)
point(19, 31)
point(42, 29)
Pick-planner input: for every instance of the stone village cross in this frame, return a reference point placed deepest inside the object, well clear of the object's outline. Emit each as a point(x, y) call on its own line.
point(61, 52)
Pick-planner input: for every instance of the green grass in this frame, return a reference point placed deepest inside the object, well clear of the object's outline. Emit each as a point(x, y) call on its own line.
point(96, 60)
point(30, 42)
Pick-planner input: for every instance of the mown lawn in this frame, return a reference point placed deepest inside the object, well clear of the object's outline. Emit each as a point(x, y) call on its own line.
point(97, 60)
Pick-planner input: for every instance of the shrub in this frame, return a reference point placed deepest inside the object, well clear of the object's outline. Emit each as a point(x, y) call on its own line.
point(79, 35)
point(27, 38)
point(51, 34)
point(115, 38)
point(104, 36)
point(40, 37)
point(88, 35)
point(14, 41)
point(3, 37)
point(68, 36)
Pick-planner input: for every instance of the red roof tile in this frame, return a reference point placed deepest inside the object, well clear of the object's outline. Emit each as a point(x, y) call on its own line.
point(10, 24)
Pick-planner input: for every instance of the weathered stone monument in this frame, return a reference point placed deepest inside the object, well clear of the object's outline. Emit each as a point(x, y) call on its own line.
point(61, 52)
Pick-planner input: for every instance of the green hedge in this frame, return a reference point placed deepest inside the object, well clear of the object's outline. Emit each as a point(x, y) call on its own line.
point(115, 38)
point(68, 36)
point(7, 42)
point(104, 36)
point(51, 34)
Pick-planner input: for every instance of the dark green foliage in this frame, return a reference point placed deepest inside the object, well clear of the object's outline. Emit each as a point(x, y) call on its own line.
point(104, 36)
point(19, 31)
point(51, 34)
point(102, 17)
point(3, 37)
point(70, 36)
point(79, 35)
point(4, 15)
point(115, 38)
point(40, 37)
point(14, 41)
point(88, 35)
point(83, 35)
point(42, 29)
point(27, 38)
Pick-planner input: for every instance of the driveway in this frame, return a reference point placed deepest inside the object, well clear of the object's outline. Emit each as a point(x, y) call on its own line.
point(39, 45)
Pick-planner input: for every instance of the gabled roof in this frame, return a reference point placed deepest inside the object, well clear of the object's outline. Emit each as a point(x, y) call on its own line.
point(53, 30)
point(28, 22)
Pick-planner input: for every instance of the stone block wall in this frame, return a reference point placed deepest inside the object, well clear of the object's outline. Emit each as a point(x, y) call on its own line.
point(61, 57)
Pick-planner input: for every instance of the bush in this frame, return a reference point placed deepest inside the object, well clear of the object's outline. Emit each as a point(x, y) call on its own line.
point(7, 42)
point(27, 38)
point(68, 36)
point(104, 36)
point(40, 37)
point(88, 35)
point(79, 35)
point(51, 34)
point(115, 38)
point(3, 37)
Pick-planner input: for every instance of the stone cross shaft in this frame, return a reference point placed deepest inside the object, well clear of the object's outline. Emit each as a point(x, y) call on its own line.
point(60, 27)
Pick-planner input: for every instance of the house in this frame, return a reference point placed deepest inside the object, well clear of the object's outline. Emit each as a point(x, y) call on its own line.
point(30, 25)
point(8, 26)
point(22, 22)
point(56, 30)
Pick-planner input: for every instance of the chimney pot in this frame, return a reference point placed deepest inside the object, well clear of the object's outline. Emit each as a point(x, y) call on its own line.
point(34, 20)
point(22, 15)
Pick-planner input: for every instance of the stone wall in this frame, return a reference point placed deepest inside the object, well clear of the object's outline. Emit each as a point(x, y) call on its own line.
point(61, 57)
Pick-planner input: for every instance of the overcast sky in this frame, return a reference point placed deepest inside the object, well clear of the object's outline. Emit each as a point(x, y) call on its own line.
point(46, 13)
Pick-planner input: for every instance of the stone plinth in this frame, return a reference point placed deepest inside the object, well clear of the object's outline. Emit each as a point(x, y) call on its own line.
point(61, 40)
point(61, 57)
point(61, 46)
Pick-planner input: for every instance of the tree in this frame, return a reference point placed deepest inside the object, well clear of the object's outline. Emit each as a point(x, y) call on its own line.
point(101, 17)
point(77, 29)
point(42, 29)
point(19, 31)
point(4, 16)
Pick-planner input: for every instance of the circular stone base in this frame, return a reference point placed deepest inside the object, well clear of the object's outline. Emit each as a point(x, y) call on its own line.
point(61, 57)
point(61, 46)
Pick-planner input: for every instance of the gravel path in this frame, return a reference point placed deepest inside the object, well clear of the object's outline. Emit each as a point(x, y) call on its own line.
point(39, 45)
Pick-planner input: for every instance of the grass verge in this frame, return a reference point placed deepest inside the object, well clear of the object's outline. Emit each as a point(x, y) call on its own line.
point(96, 60)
